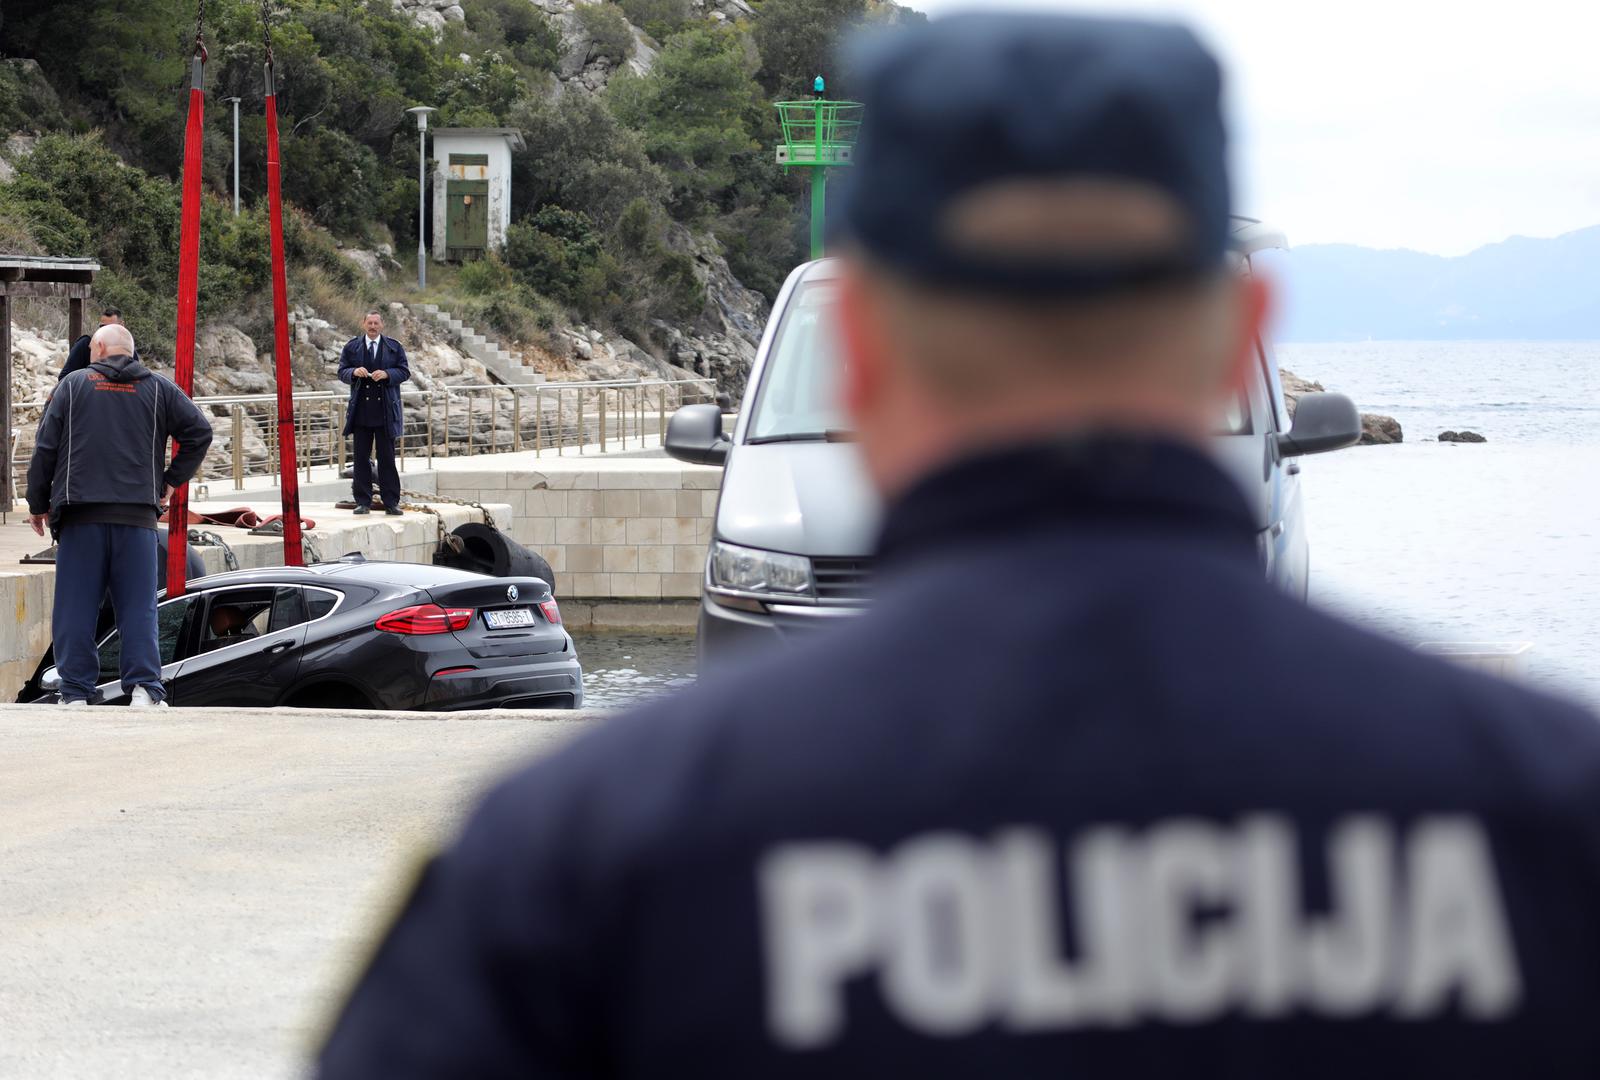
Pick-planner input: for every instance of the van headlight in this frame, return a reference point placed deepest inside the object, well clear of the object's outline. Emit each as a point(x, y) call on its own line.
point(755, 571)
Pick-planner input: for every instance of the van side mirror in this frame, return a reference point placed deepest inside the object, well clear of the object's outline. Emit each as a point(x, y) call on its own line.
point(694, 434)
point(1322, 422)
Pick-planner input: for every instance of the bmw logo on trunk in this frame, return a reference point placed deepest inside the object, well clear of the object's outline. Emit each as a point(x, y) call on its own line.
point(511, 593)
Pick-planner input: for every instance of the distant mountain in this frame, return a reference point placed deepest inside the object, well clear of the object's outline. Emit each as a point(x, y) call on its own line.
point(1519, 289)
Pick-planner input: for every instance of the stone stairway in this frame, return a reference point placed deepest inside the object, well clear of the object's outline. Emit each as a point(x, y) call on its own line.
point(490, 353)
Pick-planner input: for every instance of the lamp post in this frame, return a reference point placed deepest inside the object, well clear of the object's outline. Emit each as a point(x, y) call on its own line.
point(235, 101)
point(421, 113)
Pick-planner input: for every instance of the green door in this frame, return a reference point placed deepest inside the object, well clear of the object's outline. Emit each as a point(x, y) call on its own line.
point(467, 228)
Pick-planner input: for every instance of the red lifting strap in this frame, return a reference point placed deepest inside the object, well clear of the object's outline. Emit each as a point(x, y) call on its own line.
point(188, 295)
point(293, 553)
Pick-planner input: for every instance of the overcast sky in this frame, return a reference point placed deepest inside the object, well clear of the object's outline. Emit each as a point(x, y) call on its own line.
point(1407, 123)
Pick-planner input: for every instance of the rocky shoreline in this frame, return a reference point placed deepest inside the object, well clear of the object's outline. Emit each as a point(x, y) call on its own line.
point(1376, 429)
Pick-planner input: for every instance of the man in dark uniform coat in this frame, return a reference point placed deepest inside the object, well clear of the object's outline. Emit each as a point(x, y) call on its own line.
point(374, 365)
point(1083, 795)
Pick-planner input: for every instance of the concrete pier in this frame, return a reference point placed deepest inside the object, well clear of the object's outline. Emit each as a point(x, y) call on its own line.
point(189, 894)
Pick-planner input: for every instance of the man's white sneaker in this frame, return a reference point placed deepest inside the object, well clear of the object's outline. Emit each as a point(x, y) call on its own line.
point(141, 699)
point(78, 703)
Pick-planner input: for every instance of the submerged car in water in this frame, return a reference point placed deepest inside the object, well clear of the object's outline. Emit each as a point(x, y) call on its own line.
point(797, 519)
point(356, 635)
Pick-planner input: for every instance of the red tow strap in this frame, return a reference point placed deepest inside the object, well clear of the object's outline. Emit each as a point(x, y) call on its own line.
point(293, 554)
point(188, 296)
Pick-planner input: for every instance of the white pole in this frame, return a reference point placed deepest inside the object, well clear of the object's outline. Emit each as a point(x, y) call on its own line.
point(421, 113)
point(422, 203)
point(235, 155)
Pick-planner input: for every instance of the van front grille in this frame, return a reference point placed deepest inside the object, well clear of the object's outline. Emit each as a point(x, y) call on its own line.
point(843, 580)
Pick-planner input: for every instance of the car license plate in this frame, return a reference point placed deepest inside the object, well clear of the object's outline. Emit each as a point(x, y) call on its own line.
point(508, 618)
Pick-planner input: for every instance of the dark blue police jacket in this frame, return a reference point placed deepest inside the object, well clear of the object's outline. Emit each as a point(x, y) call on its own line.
point(392, 358)
point(1082, 796)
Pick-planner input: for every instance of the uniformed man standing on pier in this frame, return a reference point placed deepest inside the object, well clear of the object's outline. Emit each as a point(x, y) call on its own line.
point(1083, 795)
point(374, 365)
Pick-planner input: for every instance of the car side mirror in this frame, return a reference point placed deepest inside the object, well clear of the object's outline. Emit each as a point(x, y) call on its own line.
point(50, 680)
point(1322, 422)
point(694, 434)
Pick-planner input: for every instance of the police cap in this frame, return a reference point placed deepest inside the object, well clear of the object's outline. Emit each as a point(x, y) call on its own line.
point(1040, 154)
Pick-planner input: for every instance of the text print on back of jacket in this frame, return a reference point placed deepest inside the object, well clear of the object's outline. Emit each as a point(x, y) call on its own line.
point(103, 439)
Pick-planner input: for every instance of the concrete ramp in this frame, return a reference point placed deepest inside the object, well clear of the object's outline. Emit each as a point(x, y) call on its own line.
point(187, 893)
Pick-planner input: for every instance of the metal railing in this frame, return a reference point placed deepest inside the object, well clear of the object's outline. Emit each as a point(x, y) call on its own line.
point(447, 421)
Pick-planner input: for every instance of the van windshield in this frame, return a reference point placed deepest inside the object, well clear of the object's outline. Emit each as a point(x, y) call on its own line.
point(798, 400)
point(799, 394)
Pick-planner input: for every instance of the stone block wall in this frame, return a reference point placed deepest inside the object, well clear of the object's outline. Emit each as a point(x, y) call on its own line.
point(29, 594)
point(612, 529)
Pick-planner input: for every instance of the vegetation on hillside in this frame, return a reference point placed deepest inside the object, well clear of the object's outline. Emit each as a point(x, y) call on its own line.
point(598, 197)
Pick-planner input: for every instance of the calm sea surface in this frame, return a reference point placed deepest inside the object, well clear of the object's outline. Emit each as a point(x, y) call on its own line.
point(1492, 542)
point(625, 669)
point(1424, 541)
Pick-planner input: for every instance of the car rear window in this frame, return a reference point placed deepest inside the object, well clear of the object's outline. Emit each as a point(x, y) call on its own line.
point(320, 603)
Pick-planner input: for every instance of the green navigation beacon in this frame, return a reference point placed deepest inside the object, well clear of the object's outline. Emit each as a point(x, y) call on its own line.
point(818, 134)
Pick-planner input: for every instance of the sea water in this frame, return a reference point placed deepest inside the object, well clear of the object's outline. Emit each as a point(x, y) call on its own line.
point(1497, 541)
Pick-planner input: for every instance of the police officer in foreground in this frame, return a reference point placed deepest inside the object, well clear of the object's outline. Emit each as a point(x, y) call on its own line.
point(1174, 824)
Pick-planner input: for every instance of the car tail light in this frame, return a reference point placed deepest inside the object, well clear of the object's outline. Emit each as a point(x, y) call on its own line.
point(425, 619)
point(552, 613)
point(453, 670)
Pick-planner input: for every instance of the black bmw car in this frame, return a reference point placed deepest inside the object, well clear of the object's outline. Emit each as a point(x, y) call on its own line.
point(353, 634)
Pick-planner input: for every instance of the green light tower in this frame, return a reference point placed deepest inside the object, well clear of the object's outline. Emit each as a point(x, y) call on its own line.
point(818, 134)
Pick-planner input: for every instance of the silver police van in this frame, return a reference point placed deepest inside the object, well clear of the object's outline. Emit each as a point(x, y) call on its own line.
point(797, 518)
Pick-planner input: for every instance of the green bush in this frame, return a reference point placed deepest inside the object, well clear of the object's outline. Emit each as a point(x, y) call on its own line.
point(485, 277)
point(658, 18)
point(799, 40)
point(479, 92)
point(657, 282)
point(335, 178)
point(133, 217)
point(522, 26)
point(150, 316)
point(608, 30)
point(26, 101)
point(579, 156)
point(761, 243)
point(558, 254)
point(31, 207)
point(306, 245)
point(696, 111)
point(518, 314)
point(397, 209)
point(235, 258)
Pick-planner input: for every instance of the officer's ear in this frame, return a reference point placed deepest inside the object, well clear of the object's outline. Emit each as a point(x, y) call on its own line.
point(1252, 300)
point(865, 341)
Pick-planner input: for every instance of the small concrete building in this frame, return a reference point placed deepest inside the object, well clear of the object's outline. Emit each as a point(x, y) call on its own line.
point(471, 190)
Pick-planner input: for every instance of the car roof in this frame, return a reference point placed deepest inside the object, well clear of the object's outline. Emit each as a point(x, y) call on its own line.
point(1251, 236)
point(411, 575)
point(1248, 236)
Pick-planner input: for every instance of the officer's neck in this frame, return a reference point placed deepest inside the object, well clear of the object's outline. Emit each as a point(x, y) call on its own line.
point(916, 443)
